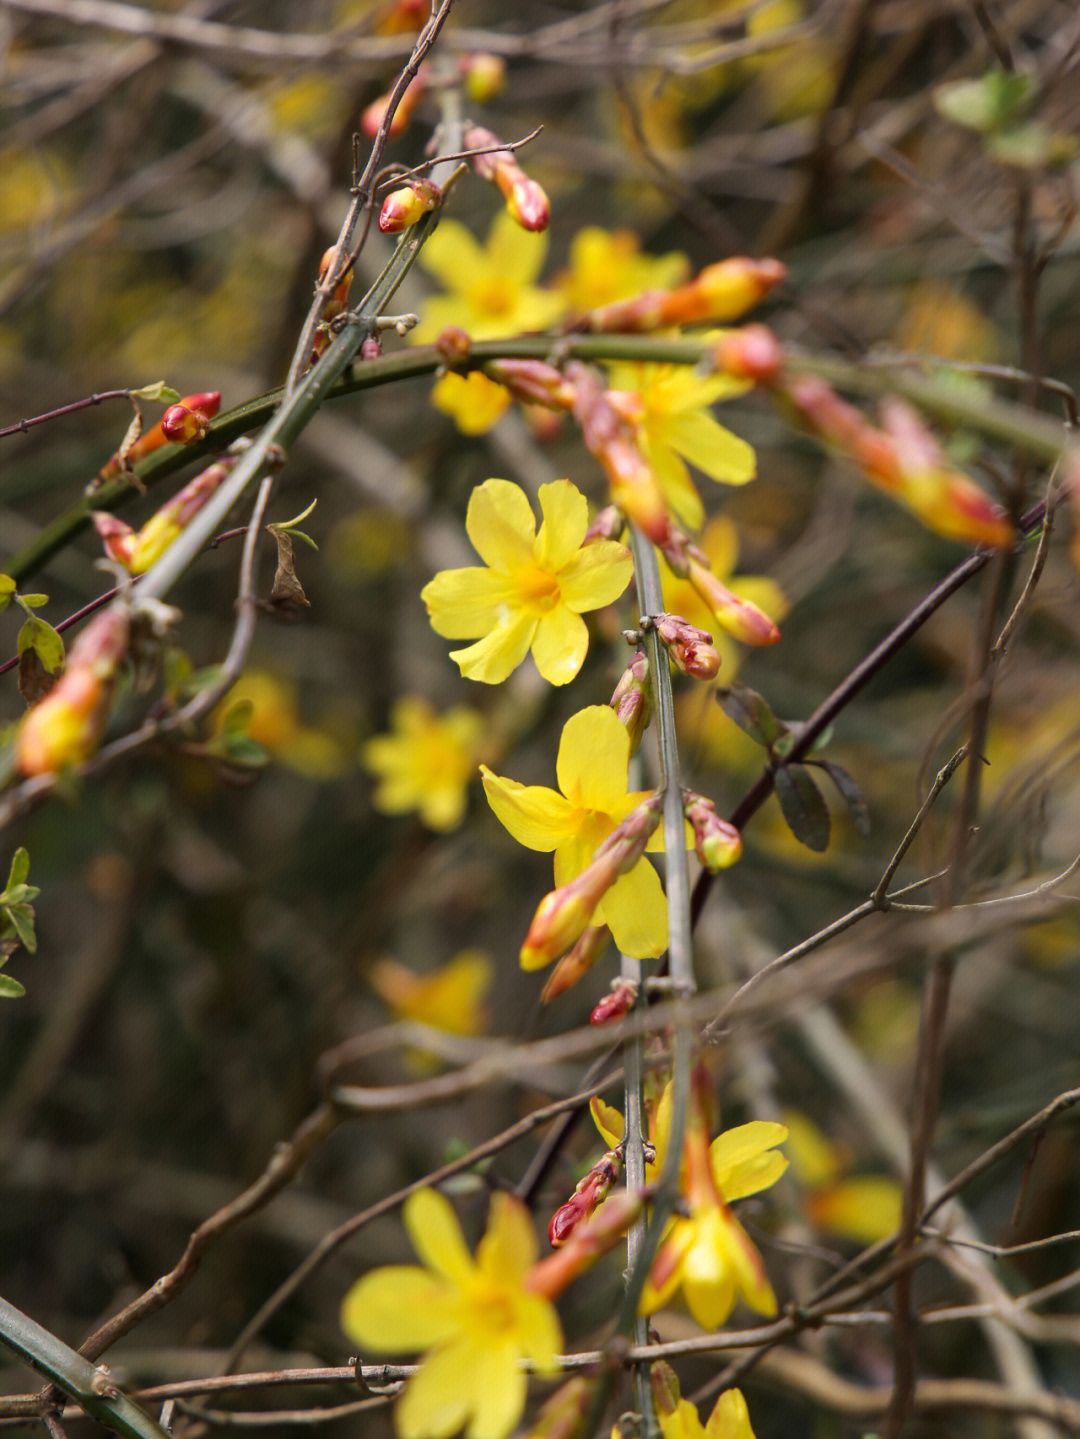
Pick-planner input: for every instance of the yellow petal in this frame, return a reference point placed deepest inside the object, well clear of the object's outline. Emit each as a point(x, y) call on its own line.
point(730, 1418)
point(436, 1235)
point(594, 752)
point(499, 653)
point(560, 645)
point(399, 1309)
point(742, 1158)
point(608, 1121)
point(438, 1400)
point(596, 576)
point(678, 489)
point(566, 518)
point(716, 452)
point(537, 817)
point(501, 525)
point(516, 254)
point(452, 254)
point(509, 1247)
point(540, 1332)
point(865, 1209)
point(708, 1278)
point(462, 604)
point(499, 1387)
point(474, 401)
point(635, 910)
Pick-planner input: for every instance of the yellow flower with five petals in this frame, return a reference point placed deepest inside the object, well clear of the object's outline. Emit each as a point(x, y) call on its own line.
point(533, 588)
point(425, 762)
point(591, 767)
point(669, 404)
point(476, 1318)
point(706, 1252)
point(490, 292)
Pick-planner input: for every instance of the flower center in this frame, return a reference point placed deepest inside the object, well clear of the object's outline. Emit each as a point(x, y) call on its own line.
point(494, 296)
point(538, 590)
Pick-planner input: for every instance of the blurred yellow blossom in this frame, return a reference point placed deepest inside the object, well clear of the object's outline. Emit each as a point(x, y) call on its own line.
point(705, 1251)
point(275, 723)
point(490, 292)
point(720, 544)
point(865, 1208)
point(426, 761)
point(476, 1319)
point(607, 265)
point(449, 998)
point(594, 754)
point(669, 404)
point(533, 588)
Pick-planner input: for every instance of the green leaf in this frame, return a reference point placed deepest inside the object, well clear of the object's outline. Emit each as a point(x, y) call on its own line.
point(10, 988)
point(22, 921)
point(803, 807)
point(751, 713)
point(32, 602)
point(159, 391)
point(1032, 147)
point(7, 589)
point(238, 718)
point(20, 867)
point(849, 792)
point(40, 637)
point(296, 519)
point(994, 101)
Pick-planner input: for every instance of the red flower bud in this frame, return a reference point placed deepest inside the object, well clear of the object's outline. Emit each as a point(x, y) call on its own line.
point(615, 1005)
point(183, 426)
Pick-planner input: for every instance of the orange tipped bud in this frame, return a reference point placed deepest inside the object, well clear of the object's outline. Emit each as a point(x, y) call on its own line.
point(577, 962)
point(720, 293)
point(64, 728)
point(588, 1241)
point(117, 537)
point(204, 406)
point(372, 118)
point(404, 15)
point(484, 75)
point(740, 618)
point(750, 353)
point(137, 551)
point(408, 204)
point(690, 648)
point(339, 298)
point(526, 201)
point(611, 438)
point(717, 844)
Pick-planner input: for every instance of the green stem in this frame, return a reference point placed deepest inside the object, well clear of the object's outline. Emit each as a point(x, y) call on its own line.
point(88, 1384)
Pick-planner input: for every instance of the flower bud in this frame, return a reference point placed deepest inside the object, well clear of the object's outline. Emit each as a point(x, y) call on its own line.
point(717, 844)
point(720, 293)
point(533, 382)
point(205, 404)
point(633, 699)
point(403, 16)
point(612, 439)
point(484, 75)
point(372, 118)
point(64, 728)
point(615, 1005)
point(691, 649)
point(665, 1388)
point(183, 426)
point(526, 201)
point(589, 1240)
point(577, 962)
point(588, 1195)
point(408, 204)
point(750, 353)
point(740, 618)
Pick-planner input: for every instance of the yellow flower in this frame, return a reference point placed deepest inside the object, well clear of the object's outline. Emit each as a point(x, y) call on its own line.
point(706, 1252)
point(426, 762)
point(720, 543)
point(594, 753)
point(607, 265)
point(864, 1207)
point(670, 406)
point(450, 998)
point(490, 292)
point(729, 1419)
point(535, 588)
point(476, 1319)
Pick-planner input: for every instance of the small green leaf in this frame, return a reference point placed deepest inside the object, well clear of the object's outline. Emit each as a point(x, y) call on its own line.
point(803, 807)
point(10, 988)
point(241, 750)
point(20, 867)
point(992, 102)
point(849, 792)
point(32, 602)
point(296, 519)
point(1032, 147)
point(238, 718)
point(22, 922)
point(40, 637)
point(7, 589)
point(751, 712)
point(159, 391)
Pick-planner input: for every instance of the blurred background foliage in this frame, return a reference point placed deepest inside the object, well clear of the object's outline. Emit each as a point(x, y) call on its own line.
point(163, 206)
